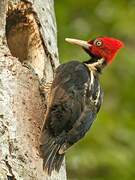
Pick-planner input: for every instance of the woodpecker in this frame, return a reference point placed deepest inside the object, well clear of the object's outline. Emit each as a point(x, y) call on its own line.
point(75, 99)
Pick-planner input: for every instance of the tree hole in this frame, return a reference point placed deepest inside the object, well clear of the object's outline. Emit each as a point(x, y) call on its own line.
point(23, 37)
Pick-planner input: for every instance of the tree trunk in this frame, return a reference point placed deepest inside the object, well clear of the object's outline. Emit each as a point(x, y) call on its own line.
point(27, 34)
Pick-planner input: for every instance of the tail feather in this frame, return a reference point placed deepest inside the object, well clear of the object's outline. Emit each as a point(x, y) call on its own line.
point(52, 160)
point(59, 162)
point(51, 163)
point(49, 156)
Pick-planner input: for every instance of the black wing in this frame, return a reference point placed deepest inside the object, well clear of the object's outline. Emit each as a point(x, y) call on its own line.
point(75, 99)
point(70, 112)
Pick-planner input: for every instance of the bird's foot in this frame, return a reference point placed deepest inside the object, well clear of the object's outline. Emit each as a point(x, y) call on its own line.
point(45, 88)
point(29, 66)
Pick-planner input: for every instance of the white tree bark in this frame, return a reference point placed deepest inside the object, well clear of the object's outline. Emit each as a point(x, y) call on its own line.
point(30, 32)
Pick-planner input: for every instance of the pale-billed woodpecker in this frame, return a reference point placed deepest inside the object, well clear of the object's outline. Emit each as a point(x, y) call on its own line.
point(75, 99)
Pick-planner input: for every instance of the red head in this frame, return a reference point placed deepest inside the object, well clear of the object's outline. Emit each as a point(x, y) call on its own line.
point(102, 47)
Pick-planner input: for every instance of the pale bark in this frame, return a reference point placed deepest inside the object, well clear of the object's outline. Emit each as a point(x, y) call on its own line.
point(31, 37)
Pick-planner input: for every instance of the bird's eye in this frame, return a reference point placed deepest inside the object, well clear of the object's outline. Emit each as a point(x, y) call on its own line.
point(98, 43)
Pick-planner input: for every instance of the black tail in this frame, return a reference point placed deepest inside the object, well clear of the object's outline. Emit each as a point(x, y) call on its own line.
point(52, 160)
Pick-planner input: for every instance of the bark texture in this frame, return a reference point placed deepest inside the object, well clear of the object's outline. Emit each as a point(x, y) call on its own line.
point(27, 34)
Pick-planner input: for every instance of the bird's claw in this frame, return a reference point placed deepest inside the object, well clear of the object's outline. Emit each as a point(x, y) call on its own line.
point(29, 66)
point(45, 88)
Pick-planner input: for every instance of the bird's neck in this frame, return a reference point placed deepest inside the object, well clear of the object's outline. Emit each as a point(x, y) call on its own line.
point(95, 64)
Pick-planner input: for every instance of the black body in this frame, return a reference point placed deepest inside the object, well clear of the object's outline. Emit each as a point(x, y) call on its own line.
point(75, 100)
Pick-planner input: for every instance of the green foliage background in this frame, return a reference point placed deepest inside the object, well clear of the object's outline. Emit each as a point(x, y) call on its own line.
point(108, 151)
